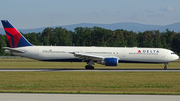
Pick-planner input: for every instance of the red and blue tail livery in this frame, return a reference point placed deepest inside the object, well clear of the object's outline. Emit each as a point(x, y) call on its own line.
point(14, 36)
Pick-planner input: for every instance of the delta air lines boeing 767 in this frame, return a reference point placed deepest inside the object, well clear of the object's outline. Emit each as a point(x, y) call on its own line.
point(108, 56)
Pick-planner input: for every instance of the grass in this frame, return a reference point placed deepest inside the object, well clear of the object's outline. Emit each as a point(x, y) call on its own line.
point(88, 82)
point(91, 82)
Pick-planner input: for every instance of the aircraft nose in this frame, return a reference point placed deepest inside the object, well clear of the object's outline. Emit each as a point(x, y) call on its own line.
point(177, 57)
point(174, 57)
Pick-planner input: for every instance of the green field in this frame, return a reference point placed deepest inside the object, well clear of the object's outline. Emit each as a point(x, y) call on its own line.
point(29, 63)
point(88, 82)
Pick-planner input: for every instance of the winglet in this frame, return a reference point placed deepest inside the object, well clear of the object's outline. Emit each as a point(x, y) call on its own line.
point(14, 36)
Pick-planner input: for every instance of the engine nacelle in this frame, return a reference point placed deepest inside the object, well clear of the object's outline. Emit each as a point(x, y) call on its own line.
point(109, 62)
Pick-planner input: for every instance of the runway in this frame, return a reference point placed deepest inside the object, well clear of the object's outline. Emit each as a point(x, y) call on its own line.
point(84, 97)
point(84, 70)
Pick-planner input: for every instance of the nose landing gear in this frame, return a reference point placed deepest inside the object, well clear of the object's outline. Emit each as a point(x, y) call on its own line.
point(165, 67)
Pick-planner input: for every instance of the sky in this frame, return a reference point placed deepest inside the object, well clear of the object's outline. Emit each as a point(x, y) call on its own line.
point(28, 14)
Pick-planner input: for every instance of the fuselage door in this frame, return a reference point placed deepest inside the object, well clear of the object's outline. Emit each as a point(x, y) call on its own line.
point(123, 53)
point(37, 51)
point(163, 54)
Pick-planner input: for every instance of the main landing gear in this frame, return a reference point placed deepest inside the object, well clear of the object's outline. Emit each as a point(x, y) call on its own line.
point(90, 63)
point(165, 67)
point(89, 67)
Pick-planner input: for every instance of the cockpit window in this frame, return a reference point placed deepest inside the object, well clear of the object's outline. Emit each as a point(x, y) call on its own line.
point(172, 53)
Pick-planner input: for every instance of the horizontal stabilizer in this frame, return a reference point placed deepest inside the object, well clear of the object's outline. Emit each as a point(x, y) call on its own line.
point(13, 50)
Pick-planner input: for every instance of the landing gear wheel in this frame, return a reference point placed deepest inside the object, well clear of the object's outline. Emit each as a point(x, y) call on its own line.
point(92, 67)
point(89, 67)
point(165, 68)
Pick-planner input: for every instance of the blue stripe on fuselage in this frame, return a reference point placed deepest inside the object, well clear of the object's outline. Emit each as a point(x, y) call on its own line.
point(80, 60)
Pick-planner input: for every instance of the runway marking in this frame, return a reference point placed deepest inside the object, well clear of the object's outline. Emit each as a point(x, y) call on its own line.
point(84, 97)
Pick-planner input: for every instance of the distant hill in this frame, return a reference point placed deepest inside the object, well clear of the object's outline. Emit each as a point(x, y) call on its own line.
point(136, 27)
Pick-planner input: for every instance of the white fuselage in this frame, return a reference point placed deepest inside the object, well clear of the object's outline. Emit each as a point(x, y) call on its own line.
point(124, 54)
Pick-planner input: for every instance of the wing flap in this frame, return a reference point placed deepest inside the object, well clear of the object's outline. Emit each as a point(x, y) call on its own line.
point(87, 56)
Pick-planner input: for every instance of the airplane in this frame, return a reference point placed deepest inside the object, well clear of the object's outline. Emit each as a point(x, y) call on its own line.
point(108, 56)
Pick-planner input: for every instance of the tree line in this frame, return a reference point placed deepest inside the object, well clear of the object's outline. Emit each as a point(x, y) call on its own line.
point(97, 36)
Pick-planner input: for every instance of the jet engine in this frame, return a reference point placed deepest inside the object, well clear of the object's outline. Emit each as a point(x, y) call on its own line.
point(109, 62)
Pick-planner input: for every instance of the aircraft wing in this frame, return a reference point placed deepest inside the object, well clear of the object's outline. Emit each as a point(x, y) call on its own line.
point(13, 50)
point(87, 56)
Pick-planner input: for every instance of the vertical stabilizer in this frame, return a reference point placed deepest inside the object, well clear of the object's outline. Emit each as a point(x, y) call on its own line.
point(14, 36)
